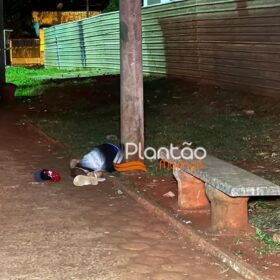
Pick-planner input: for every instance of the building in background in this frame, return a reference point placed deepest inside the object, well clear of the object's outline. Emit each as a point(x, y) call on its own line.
point(154, 2)
point(31, 51)
point(49, 18)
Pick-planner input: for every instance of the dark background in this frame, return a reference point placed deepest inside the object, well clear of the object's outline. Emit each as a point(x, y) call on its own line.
point(18, 13)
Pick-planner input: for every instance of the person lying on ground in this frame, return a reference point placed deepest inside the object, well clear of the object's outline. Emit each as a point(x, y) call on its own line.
point(89, 169)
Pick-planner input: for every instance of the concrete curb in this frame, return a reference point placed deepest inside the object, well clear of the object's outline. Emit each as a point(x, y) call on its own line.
point(244, 269)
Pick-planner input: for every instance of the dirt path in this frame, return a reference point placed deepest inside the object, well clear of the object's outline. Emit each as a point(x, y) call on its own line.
point(57, 231)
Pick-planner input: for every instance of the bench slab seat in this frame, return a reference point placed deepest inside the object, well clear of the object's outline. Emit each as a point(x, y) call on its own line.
point(226, 186)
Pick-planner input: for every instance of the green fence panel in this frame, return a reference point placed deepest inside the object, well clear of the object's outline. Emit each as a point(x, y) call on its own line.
point(232, 43)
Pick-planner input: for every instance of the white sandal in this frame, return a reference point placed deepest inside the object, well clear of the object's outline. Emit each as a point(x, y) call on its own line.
point(86, 180)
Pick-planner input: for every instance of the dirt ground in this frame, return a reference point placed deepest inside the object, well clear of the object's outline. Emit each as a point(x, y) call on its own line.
point(239, 128)
point(244, 245)
point(236, 127)
point(83, 115)
point(58, 231)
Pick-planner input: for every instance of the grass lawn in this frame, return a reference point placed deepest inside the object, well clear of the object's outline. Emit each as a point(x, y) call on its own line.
point(82, 113)
point(32, 81)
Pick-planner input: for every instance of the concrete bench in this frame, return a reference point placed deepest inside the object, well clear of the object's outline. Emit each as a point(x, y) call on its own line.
point(226, 186)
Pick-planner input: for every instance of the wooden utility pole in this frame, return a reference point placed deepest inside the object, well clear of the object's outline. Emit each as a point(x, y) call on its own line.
point(132, 107)
point(2, 49)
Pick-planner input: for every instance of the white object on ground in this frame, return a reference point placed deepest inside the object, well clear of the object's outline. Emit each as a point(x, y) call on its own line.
point(186, 222)
point(249, 112)
point(169, 194)
point(83, 180)
point(120, 192)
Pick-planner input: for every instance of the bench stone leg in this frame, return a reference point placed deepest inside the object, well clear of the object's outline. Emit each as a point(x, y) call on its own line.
point(227, 213)
point(191, 191)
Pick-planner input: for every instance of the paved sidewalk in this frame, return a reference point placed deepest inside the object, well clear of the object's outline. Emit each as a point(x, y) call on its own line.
point(58, 231)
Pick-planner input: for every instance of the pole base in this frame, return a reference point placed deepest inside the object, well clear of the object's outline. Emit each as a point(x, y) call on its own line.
point(8, 92)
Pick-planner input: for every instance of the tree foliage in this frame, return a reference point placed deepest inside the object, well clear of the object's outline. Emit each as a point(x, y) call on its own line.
point(113, 6)
point(17, 16)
